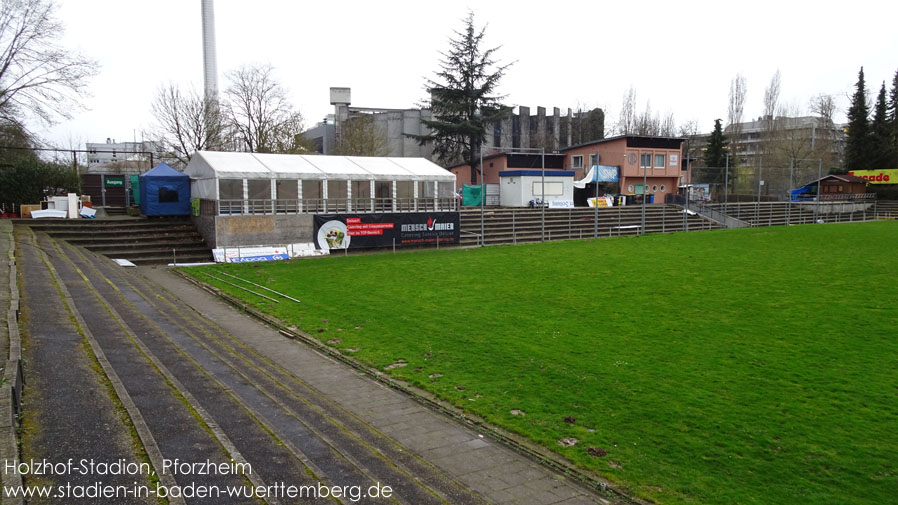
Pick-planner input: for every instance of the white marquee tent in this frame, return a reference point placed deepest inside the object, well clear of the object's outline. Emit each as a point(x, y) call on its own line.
point(227, 176)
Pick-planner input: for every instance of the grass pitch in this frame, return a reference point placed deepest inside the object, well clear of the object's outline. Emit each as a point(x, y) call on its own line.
point(743, 366)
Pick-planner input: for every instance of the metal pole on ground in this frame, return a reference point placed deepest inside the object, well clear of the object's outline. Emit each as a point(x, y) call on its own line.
point(760, 183)
point(688, 190)
point(789, 205)
point(595, 177)
point(514, 232)
point(726, 184)
point(817, 208)
point(482, 198)
point(542, 151)
point(644, 196)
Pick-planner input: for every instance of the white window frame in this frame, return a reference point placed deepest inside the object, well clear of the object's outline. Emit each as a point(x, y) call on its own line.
point(663, 158)
point(576, 161)
point(553, 188)
point(642, 160)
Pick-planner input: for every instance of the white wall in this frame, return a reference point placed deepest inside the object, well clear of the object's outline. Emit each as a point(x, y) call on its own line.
point(517, 191)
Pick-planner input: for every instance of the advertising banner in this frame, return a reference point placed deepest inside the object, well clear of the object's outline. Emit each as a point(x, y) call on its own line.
point(605, 173)
point(877, 176)
point(249, 254)
point(352, 231)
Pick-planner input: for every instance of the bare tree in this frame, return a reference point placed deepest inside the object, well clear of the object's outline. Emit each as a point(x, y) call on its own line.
point(771, 107)
point(668, 126)
point(689, 132)
point(736, 108)
point(37, 76)
point(260, 114)
point(824, 107)
point(186, 122)
point(626, 123)
point(772, 96)
point(646, 123)
point(362, 137)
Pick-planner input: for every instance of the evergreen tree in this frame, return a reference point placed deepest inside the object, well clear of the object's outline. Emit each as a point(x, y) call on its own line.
point(462, 100)
point(893, 121)
point(881, 154)
point(857, 147)
point(716, 151)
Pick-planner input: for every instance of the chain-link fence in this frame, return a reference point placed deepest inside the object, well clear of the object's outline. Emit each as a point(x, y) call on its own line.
point(750, 183)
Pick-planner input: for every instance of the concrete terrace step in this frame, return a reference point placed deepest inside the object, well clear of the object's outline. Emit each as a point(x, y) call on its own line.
point(141, 240)
point(175, 240)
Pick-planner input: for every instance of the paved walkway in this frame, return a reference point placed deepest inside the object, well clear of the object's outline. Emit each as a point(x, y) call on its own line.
point(493, 470)
point(5, 239)
point(142, 365)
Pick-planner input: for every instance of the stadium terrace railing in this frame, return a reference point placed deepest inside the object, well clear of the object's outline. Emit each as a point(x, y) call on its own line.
point(325, 206)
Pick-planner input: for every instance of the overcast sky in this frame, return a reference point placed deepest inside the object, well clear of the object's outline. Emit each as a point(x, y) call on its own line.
point(678, 56)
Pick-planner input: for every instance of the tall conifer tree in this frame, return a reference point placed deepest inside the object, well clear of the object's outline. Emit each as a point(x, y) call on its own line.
point(893, 120)
point(715, 153)
point(857, 148)
point(463, 100)
point(880, 134)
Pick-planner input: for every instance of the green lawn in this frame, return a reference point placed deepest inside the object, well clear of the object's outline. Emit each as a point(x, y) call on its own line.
point(743, 366)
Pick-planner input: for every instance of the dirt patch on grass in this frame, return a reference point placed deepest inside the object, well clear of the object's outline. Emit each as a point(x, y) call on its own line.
point(597, 452)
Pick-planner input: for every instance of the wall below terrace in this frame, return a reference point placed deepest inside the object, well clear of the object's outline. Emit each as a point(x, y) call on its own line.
point(228, 231)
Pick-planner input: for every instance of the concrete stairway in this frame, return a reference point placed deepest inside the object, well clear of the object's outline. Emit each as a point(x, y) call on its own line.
point(141, 241)
point(887, 209)
point(507, 226)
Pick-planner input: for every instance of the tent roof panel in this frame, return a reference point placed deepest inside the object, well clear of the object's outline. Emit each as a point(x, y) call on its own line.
point(425, 169)
point(221, 165)
point(382, 168)
point(337, 167)
point(290, 166)
point(212, 164)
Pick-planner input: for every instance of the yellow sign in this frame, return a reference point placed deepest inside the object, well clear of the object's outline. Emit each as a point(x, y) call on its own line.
point(877, 176)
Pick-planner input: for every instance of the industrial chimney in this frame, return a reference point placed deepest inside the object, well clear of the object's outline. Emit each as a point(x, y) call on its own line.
point(210, 66)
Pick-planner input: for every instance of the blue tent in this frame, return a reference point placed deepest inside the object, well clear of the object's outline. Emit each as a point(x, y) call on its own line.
point(164, 192)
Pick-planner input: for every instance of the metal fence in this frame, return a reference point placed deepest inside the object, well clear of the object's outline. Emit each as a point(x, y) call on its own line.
point(325, 206)
point(751, 183)
point(707, 211)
